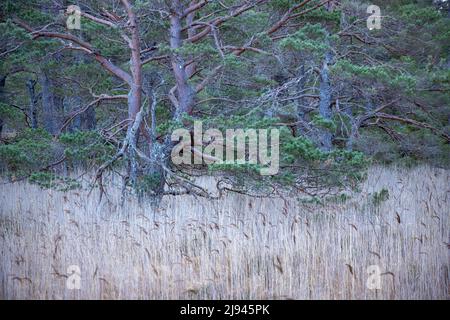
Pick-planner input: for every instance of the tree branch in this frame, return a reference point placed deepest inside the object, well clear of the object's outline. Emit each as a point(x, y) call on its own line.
point(194, 7)
point(220, 20)
point(86, 47)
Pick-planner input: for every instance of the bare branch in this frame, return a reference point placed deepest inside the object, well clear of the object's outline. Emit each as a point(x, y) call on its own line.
point(194, 7)
point(220, 20)
point(84, 109)
point(285, 18)
point(86, 47)
point(99, 20)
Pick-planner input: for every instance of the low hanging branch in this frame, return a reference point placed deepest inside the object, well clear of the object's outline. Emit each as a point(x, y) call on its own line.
point(82, 45)
point(381, 115)
point(220, 20)
point(415, 124)
point(84, 109)
point(290, 14)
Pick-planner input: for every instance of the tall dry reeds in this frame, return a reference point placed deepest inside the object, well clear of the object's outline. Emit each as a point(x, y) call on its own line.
point(236, 247)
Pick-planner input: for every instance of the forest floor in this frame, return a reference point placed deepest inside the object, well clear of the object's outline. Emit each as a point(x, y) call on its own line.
point(57, 245)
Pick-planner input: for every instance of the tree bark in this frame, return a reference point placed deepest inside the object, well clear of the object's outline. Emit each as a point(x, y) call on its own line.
point(325, 102)
point(300, 101)
point(51, 104)
point(2, 99)
point(88, 120)
point(32, 112)
point(185, 93)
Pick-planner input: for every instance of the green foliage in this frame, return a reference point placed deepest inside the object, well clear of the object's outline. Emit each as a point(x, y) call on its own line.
point(167, 127)
point(311, 39)
point(263, 81)
point(298, 149)
point(419, 15)
point(404, 82)
point(244, 121)
point(375, 73)
point(282, 4)
point(352, 164)
point(231, 61)
point(407, 59)
point(196, 49)
point(86, 147)
point(8, 112)
point(250, 22)
point(148, 182)
point(236, 168)
point(320, 121)
point(31, 150)
point(324, 15)
point(48, 180)
point(380, 197)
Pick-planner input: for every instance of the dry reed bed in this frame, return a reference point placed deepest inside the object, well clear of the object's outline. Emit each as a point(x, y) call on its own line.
point(237, 247)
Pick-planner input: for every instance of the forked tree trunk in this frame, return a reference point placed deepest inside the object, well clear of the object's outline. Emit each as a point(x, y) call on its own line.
point(157, 163)
point(185, 92)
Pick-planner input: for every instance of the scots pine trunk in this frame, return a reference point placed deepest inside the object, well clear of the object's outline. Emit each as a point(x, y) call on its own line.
point(325, 102)
point(300, 101)
point(185, 92)
point(32, 111)
point(2, 99)
point(51, 104)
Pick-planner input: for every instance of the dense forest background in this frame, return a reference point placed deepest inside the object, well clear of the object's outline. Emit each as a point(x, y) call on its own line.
point(107, 96)
point(92, 205)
